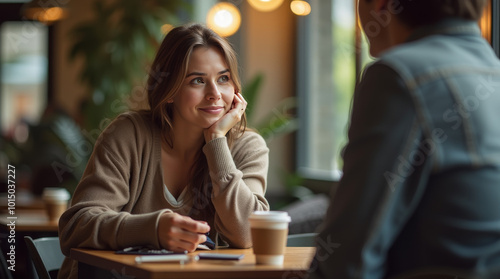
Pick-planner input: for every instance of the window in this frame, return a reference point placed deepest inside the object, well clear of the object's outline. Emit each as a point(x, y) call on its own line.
point(331, 52)
point(25, 72)
point(23, 79)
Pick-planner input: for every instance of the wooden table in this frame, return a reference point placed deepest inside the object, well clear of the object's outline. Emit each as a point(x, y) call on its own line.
point(107, 264)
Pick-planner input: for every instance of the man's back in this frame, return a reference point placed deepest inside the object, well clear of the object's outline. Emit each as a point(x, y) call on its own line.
point(421, 184)
point(454, 80)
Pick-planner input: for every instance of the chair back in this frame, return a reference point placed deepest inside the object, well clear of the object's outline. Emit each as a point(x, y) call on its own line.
point(301, 240)
point(4, 270)
point(46, 255)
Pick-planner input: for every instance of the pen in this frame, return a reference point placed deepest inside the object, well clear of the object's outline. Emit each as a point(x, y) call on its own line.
point(166, 258)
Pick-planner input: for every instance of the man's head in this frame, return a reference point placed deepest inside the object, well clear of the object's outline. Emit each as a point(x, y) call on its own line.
point(387, 23)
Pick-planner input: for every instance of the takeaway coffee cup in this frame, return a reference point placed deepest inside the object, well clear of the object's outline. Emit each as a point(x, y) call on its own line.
point(56, 202)
point(269, 231)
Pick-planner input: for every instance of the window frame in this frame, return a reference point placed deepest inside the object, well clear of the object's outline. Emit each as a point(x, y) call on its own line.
point(12, 12)
point(318, 181)
point(321, 183)
point(495, 26)
point(303, 67)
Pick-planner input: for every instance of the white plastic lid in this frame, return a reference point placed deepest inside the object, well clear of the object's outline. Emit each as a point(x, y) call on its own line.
point(270, 216)
point(53, 193)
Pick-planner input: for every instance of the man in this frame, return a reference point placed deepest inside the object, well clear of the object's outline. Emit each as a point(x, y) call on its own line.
point(420, 193)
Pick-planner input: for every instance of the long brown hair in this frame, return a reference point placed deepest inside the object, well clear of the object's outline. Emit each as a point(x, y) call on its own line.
point(167, 73)
point(170, 68)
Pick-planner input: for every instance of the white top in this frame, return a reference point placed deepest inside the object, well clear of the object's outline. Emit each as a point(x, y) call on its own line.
point(171, 199)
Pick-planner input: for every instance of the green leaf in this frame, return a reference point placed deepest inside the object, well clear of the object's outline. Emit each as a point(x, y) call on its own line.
point(280, 120)
point(250, 93)
point(116, 46)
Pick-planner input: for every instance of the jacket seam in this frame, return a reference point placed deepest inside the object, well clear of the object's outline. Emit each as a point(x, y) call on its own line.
point(467, 127)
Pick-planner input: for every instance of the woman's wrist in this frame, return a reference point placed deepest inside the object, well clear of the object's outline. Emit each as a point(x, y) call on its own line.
point(212, 135)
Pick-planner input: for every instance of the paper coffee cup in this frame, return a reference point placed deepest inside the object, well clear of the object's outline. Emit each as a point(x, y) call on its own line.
point(56, 202)
point(269, 231)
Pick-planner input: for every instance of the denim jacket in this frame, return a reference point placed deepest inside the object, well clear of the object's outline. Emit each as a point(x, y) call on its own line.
point(421, 185)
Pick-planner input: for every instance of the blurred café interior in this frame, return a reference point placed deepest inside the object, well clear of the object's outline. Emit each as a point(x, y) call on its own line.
point(68, 67)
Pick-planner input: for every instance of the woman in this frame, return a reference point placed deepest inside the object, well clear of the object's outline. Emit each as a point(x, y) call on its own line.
point(185, 168)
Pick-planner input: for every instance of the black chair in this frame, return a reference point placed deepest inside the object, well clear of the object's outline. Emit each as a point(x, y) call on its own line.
point(46, 255)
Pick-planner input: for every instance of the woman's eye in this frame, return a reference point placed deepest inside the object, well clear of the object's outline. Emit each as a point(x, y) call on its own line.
point(197, 81)
point(223, 79)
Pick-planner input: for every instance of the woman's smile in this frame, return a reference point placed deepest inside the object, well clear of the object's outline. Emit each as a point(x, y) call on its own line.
point(212, 109)
point(207, 92)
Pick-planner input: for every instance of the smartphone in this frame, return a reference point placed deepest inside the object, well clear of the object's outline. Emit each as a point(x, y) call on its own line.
point(220, 256)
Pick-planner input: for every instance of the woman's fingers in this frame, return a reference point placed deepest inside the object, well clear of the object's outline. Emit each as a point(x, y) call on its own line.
point(226, 122)
point(181, 233)
point(187, 241)
point(191, 225)
point(241, 101)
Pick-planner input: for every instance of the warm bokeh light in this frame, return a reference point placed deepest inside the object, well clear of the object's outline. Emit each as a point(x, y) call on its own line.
point(224, 18)
point(265, 5)
point(45, 15)
point(52, 14)
point(485, 22)
point(301, 8)
point(165, 28)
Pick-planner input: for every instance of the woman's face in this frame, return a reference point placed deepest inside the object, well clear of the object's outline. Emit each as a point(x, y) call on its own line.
point(207, 91)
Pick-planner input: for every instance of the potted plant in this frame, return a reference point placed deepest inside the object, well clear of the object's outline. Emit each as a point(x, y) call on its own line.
point(117, 46)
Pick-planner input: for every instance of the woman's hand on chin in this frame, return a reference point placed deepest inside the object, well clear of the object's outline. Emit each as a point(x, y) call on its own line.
point(226, 122)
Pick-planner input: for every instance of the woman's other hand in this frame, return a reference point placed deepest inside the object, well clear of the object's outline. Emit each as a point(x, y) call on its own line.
point(226, 122)
point(181, 233)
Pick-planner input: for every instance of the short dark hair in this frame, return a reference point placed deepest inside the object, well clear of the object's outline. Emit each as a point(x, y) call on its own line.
point(422, 12)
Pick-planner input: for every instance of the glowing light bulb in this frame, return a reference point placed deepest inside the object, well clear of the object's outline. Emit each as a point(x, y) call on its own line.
point(265, 5)
point(224, 18)
point(52, 14)
point(301, 8)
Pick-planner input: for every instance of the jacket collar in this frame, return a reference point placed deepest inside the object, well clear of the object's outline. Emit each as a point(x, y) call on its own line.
point(450, 26)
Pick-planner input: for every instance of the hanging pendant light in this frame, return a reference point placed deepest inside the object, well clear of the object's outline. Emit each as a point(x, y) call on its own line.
point(224, 18)
point(265, 5)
